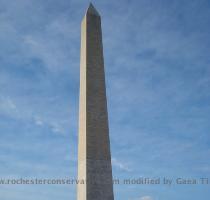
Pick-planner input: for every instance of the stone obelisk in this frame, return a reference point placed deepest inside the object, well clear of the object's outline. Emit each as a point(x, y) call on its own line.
point(94, 158)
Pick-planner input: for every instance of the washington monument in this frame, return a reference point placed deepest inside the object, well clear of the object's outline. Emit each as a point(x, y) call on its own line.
point(94, 157)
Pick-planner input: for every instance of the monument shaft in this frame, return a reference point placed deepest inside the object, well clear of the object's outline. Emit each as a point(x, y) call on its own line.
point(94, 158)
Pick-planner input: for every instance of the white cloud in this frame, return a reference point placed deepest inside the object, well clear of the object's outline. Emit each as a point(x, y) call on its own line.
point(204, 169)
point(8, 106)
point(57, 128)
point(120, 165)
point(38, 122)
point(146, 198)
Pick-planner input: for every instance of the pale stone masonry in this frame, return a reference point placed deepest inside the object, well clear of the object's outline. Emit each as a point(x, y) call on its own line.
point(94, 158)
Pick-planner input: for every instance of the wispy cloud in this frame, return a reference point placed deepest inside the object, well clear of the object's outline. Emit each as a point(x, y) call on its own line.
point(7, 105)
point(120, 165)
point(146, 198)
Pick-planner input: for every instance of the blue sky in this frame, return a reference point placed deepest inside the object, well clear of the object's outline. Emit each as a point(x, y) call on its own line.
point(158, 81)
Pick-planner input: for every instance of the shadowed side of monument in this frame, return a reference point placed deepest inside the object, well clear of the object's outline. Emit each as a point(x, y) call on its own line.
point(94, 158)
